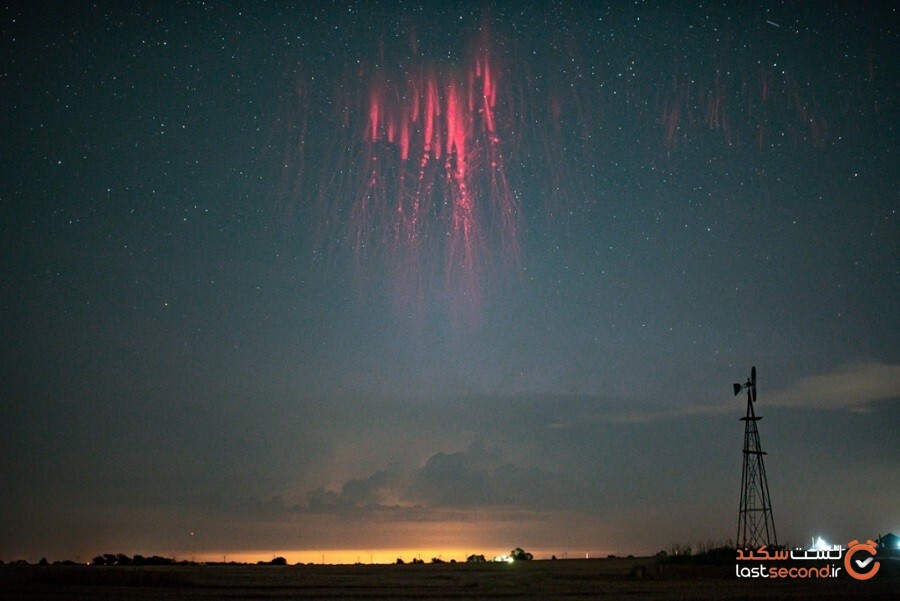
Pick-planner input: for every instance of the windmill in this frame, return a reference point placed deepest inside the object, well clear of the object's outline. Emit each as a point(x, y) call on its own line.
point(756, 525)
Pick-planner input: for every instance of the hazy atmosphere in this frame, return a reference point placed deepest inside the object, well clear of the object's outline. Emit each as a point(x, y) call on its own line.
point(361, 279)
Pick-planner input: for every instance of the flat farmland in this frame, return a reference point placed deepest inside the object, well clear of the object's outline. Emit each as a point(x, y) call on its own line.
point(613, 578)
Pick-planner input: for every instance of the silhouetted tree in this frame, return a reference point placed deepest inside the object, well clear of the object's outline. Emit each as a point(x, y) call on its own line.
point(519, 555)
point(278, 561)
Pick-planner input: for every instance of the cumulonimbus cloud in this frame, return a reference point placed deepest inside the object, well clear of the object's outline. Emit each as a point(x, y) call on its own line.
point(475, 477)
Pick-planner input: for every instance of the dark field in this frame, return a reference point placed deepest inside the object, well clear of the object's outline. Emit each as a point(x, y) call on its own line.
point(640, 578)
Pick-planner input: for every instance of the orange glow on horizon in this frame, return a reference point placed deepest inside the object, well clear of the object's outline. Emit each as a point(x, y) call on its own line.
point(369, 556)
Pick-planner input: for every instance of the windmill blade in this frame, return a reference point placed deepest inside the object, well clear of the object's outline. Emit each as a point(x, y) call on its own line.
point(753, 383)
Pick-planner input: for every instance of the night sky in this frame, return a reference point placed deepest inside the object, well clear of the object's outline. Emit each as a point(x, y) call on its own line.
point(374, 279)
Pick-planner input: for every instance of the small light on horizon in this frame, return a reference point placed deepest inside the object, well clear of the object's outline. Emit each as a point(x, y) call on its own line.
point(819, 544)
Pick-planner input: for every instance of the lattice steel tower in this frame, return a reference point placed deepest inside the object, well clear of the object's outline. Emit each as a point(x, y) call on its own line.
point(756, 526)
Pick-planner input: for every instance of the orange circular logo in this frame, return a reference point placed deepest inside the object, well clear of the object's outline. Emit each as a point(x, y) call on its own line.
point(866, 551)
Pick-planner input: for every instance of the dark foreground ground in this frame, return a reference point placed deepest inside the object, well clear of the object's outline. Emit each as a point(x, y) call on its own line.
point(640, 578)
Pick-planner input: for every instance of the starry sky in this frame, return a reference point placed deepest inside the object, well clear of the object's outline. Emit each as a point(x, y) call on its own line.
point(242, 311)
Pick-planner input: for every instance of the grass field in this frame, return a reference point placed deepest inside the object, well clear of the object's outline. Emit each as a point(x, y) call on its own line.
point(620, 578)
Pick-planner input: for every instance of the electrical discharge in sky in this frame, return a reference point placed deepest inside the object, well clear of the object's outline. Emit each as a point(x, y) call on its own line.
point(422, 179)
point(435, 168)
point(421, 167)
